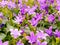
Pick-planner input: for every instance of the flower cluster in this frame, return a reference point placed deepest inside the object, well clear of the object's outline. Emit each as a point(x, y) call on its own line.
point(29, 22)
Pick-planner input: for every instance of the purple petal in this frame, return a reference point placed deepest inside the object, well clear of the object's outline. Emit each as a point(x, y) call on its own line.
point(5, 43)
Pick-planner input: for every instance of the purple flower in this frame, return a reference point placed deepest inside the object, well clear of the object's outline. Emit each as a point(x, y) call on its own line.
point(1, 15)
point(34, 21)
point(15, 33)
point(11, 5)
point(58, 2)
point(38, 42)
point(41, 35)
point(23, 9)
point(1, 25)
point(31, 10)
point(19, 18)
point(57, 33)
point(51, 18)
point(43, 43)
point(32, 38)
point(27, 9)
point(43, 6)
point(58, 8)
point(49, 31)
point(21, 31)
point(20, 1)
point(58, 5)
point(41, 1)
point(3, 3)
point(19, 43)
point(50, 2)
point(3, 43)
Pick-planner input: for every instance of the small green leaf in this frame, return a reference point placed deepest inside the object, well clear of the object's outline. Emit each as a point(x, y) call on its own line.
point(2, 36)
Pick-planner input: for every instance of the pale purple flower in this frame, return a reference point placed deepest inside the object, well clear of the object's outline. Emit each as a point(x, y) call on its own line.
point(41, 43)
point(44, 43)
point(31, 10)
point(57, 33)
point(41, 1)
point(41, 35)
point(19, 19)
point(51, 18)
point(15, 33)
point(3, 3)
point(49, 31)
point(32, 38)
point(20, 1)
point(19, 43)
point(1, 15)
point(11, 5)
point(3, 43)
point(38, 42)
point(58, 8)
point(58, 5)
point(58, 2)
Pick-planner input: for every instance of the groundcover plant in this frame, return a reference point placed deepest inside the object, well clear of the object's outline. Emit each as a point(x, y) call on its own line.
point(29, 22)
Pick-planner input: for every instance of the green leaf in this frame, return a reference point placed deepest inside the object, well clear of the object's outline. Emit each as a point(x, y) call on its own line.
point(30, 3)
point(15, 10)
point(58, 24)
point(7, 12)
point(2, 35)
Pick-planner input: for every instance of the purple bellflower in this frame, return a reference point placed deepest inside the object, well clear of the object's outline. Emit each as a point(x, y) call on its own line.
point(41, 1)
point(51, 18)
point(19, 43)
point(41, 43)
point(3, 3)
point(57, 33)
point(31, 10)
point(3, 43)
point(49, 31)
point(11, 5)
point(58, 5)
point(15, 33)
point(1, 25)
point(23, 9)
point(34, 21)
point(32, 38)
point(41, 35)
point(19, 19)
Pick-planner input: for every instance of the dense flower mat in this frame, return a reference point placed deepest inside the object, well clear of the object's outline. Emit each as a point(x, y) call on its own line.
point(29, 22)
